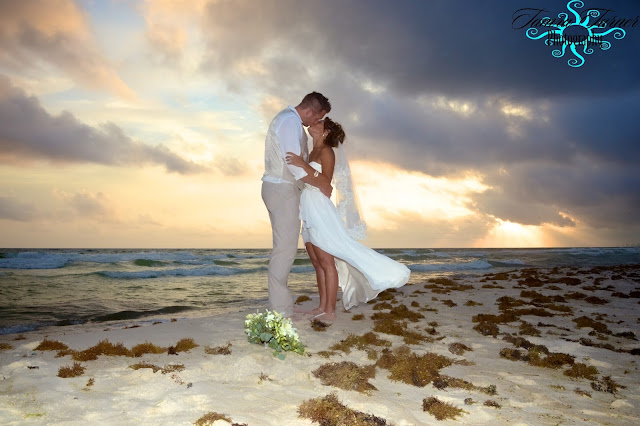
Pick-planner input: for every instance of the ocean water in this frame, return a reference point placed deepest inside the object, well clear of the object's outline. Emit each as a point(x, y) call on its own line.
point(75, 286)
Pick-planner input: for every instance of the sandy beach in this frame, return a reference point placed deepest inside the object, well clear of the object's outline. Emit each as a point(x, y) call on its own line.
point(530, 346)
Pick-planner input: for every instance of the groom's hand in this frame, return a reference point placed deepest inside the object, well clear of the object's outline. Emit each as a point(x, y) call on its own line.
point(326, 190)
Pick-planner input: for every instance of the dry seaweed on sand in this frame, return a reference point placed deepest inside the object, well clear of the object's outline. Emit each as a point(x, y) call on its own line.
point(169, 368)
point(511, 354)
point(329, 411)
point(211, 417)
point(606, 384)
point(400, 312)
point(147, 348)
point(326, 354)
point(5, 346)
point(527, 329)
point(218, 350)
point(487, 329)
point(407, 367)
point(263, 377)
point(318, 325)
point(382, 305)
point(360, 342)
point(185, 345)
point(104, 347)
point(347, 375)
point(73, 371)
point(443, 382)
point(598, 326)
point(579, 369)
point(492, 403)
point(51, 345)
point(357, 317)
point(301, 299)
point(142, 365)
point(458, 348)
point(441, 410)
point(582, 392)
point(397, 328)
point(386, 295)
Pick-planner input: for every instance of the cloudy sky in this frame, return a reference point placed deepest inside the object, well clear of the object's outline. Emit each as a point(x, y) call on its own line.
point(133, 123)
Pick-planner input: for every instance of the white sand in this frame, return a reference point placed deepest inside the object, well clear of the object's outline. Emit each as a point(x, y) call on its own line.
point(231, 384)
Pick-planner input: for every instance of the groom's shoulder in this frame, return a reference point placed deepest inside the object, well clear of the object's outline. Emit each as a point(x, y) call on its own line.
point(285, 114)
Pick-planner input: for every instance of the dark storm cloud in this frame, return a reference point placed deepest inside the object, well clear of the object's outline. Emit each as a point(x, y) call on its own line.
point(28, 131)
point(572, 151)
point(449, 47)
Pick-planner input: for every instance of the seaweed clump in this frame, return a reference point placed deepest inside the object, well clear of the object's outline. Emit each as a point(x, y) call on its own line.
point(347, 375)
point(487, 328)
point(534, 356)
point(329, 411)
point(397, 328)
point(5, 346)
point(408, 367)
point(74, 371)
point(357, 317)
point(492, 403)
point(104, 347)
point(218, 350)
point(51, 345)
point(169, 368)
point(606, 384)
point(184, 345)
point(211, 417)
point(400, 312)
point(301, 299)
point(582, 370)
point(441, 410)
point(458, 348)
point(147, 348)
point(318, 325)
point(360, 342)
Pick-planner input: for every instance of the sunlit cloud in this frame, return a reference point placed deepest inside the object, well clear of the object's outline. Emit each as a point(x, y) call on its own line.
point(57, 34)
point(142, 123)
point(386, 192)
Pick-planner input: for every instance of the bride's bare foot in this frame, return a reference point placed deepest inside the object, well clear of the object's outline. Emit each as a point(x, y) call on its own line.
point(326, 317)
point(315, 311)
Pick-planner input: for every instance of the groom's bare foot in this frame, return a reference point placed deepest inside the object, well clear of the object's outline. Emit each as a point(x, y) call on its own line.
point(296, 317)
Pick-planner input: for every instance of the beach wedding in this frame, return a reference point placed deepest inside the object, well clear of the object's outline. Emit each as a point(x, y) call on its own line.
point(232, 212)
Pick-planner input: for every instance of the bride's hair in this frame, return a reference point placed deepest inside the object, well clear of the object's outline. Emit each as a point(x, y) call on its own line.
point(336, 134)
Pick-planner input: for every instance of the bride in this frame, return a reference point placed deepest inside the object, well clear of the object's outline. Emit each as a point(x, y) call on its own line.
point(329, 233)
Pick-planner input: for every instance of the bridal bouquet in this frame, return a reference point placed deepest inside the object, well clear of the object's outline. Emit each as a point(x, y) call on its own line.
point(272, 329)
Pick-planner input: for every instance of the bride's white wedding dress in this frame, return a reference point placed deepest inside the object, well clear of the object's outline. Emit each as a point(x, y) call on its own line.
point(363, 272)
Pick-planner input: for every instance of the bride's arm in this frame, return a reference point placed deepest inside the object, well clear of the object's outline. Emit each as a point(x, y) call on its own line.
point(320, 181)
point(328, 159)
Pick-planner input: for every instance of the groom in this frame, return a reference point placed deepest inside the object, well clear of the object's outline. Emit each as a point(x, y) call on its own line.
point(281, 187)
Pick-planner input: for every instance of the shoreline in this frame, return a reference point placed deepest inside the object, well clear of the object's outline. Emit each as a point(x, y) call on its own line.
point(581, 317)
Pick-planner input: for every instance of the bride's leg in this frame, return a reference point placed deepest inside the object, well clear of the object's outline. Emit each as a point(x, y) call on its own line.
point(328, 266)
point(322, 292)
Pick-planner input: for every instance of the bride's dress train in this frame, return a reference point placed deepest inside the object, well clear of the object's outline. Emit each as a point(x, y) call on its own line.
point(362, 272)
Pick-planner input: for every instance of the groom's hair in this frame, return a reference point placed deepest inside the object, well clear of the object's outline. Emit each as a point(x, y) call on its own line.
point(317, 102)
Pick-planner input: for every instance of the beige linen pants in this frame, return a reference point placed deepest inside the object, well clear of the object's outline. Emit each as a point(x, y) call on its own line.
point(283, 203)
